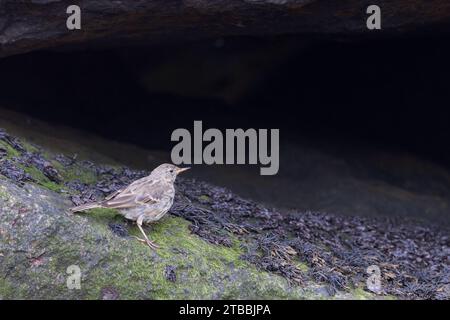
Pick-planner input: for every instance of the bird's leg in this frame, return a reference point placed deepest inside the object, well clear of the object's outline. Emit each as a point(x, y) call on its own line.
point(147, 241)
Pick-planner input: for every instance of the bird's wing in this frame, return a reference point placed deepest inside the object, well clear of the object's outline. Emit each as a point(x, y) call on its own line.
point(139, 192)
point(139, 183)
point(131, 186)
point(112, 195)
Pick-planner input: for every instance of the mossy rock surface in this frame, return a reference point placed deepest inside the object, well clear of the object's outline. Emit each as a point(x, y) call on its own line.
point(40, 239)
point(226, 257)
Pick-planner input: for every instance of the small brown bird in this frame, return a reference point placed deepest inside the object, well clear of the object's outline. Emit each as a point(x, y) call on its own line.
point(145, 200)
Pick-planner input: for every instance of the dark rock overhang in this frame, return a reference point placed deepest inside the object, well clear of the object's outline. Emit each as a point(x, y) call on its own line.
point(40, 24)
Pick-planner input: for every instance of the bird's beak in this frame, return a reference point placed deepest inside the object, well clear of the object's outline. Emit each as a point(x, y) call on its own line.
point(180, 170)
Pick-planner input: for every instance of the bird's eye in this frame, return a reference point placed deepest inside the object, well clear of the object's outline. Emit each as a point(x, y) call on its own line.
point(171, 170)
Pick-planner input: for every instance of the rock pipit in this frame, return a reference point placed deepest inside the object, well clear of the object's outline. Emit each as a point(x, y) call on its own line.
point(145, 200)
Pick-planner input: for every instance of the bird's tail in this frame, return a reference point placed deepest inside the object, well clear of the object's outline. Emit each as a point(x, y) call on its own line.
point(86, 206)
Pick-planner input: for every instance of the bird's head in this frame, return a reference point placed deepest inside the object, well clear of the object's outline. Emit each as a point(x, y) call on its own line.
point(167, 171)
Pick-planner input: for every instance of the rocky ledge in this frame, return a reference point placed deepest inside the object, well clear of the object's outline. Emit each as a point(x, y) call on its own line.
point(214, 244)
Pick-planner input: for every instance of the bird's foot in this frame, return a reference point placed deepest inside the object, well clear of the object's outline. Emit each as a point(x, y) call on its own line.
point(149, 243)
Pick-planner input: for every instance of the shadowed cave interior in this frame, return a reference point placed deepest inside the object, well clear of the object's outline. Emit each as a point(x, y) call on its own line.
point(363, 125)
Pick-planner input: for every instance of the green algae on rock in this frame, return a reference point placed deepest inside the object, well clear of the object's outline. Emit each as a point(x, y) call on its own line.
point(40, 239)
point(215, 244)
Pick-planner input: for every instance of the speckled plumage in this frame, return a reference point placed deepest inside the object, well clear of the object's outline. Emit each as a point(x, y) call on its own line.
point(145, 200)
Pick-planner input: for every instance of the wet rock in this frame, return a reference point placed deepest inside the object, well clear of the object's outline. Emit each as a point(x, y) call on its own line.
point(40, 239)
point(228, 241)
